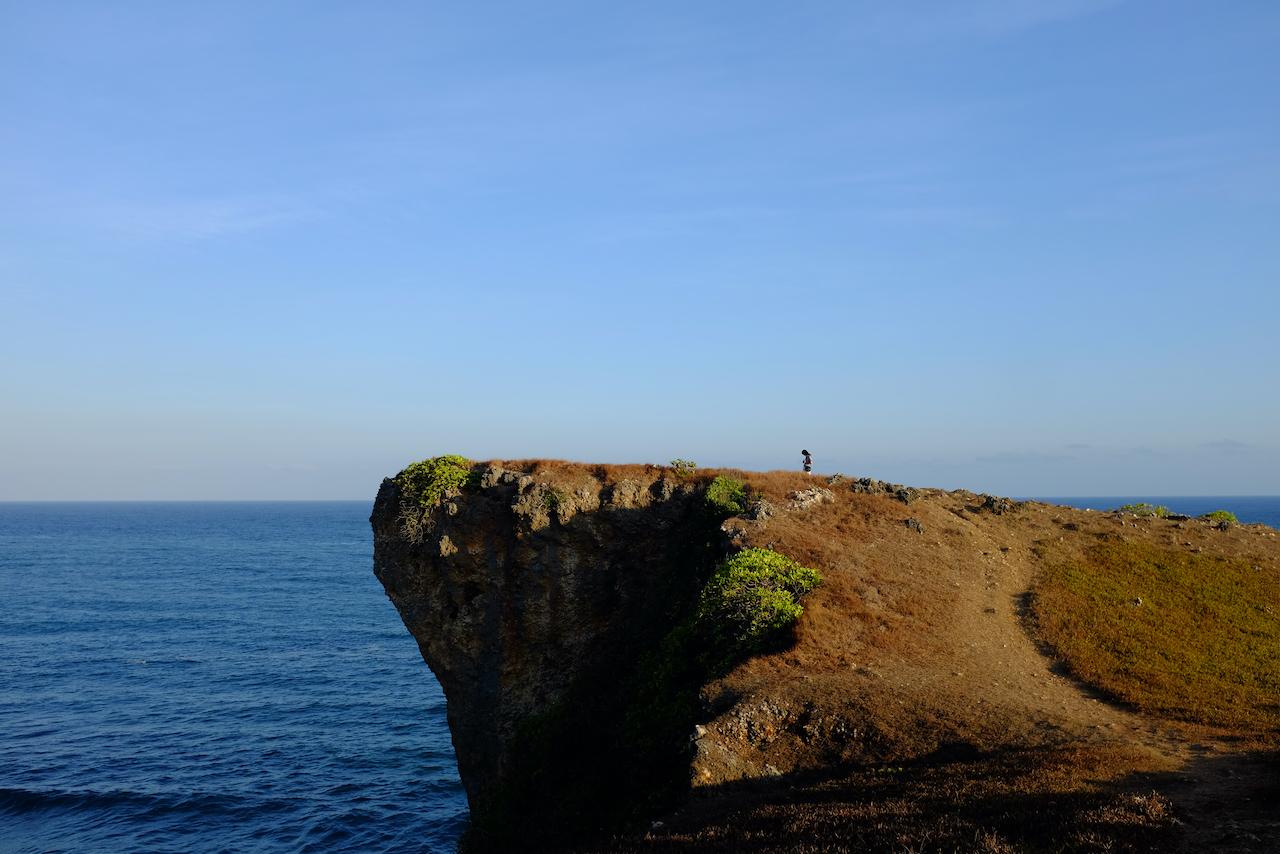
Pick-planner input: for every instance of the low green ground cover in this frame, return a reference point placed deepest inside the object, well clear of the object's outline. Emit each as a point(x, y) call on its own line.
point(1178, 634)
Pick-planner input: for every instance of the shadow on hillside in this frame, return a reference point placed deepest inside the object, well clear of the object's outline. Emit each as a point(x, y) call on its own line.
point(1014, 801)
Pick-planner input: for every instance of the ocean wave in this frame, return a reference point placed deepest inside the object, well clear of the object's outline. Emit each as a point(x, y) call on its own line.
point(19, 801)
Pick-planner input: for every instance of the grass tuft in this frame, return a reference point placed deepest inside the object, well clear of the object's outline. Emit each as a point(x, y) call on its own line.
point(683, 467)
point(1144, 509)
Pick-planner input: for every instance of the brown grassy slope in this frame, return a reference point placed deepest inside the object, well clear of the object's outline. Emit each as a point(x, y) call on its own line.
point(915, 659)
point(935, 620)
point(1173, 632)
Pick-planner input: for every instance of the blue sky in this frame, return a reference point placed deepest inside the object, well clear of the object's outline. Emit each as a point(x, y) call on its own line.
point(277, 250)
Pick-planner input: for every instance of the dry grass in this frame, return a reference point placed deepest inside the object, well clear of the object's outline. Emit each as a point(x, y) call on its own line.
point(1184, 635)
point(1042, 801)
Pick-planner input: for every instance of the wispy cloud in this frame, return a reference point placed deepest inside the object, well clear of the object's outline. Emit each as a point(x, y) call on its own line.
point(1227, 446)
point(937, 215)
point(933, 20)
point(1114, 179)
point(1021, 458)
point(195, 218)
point(118, 210)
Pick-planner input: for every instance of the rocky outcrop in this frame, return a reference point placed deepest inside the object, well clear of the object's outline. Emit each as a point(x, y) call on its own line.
point(803, 499)
point(870, 486)
point(997, 505)
point(533, 603)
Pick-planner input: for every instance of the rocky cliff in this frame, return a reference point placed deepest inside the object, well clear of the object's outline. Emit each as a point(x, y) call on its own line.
point(550, 600)
point(533, 600)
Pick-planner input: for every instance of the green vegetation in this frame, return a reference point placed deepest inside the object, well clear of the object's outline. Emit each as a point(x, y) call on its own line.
point(748, 601)
point(427, 481)
point(727, 496)
point(683, 468)
point(1179, 634)
point(1143, 509)
point(554, 498)
point(1221, 516)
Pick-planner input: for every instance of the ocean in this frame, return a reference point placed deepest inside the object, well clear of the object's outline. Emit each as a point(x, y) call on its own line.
point(1248, 508)
point(212, 677)
point(230, 677)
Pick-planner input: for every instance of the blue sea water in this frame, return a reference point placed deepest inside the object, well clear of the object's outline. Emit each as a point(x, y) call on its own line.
point(1248, 508)
point(212, 677)
point(230, 677)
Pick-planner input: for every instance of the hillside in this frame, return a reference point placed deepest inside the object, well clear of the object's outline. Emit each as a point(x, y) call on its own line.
point(971, 673)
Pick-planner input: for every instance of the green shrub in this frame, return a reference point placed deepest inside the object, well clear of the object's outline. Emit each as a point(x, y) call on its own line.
point(727, 496)
point(1221, 516)
point(750, 598)
point(554, 498)
point(1144, 509)
point(683, 468)
point(426, 482)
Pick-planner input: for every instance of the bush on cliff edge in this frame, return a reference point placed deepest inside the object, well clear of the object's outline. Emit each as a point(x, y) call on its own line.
point(749, 599)
point(727, 496)
point(426, 481)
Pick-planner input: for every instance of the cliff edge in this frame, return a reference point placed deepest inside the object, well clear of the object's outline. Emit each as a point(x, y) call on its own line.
point(533, 600)
point(941, 687)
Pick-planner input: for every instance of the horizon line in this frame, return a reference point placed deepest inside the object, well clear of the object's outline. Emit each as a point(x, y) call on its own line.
point(1018, 497)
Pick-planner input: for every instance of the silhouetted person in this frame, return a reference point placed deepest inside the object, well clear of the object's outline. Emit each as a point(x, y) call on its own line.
point(808, 463)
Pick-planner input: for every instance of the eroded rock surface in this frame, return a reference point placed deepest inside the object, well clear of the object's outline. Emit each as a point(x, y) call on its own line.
point(532, 603)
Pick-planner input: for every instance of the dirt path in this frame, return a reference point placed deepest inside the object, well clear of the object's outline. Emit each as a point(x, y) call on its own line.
point(1225, 794)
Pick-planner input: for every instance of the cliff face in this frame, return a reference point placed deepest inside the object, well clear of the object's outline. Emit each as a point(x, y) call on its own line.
point(532, 603)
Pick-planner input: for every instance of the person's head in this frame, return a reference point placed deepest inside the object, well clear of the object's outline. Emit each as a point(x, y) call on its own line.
point(806, 453)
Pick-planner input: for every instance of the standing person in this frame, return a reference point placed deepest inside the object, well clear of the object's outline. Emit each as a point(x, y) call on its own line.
point(808, 463)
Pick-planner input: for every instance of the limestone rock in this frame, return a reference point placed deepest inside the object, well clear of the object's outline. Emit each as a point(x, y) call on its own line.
point(998, 506)
point(803, 499)
point(531, 602)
